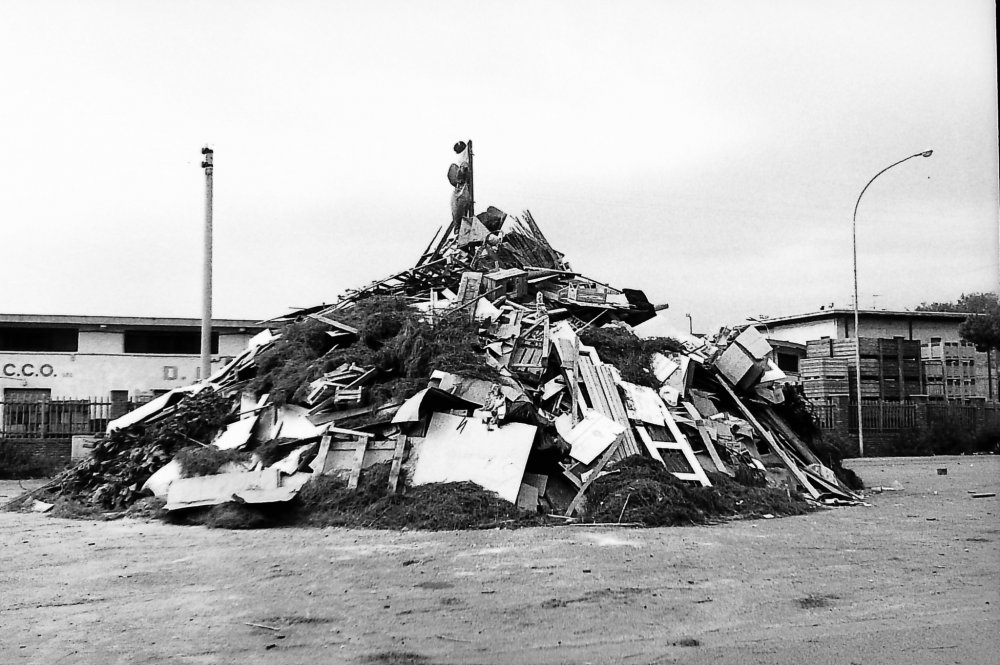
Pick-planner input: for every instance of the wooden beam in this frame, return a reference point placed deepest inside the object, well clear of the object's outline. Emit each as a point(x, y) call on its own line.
point(359, 460)
point(789, 464)
point(350, 432)
point(706, 438)
point(786, 432)
point(603, 462)
point(397, 462)
point(319, 463)
point(336, 324)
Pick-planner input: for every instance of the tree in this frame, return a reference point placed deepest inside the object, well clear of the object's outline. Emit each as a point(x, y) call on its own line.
point(971, 303)
point(983, 330)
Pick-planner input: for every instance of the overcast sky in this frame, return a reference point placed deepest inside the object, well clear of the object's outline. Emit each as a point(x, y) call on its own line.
point(707, 152)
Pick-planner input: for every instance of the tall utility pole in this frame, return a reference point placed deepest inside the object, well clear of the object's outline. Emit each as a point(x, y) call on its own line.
point(206, 298)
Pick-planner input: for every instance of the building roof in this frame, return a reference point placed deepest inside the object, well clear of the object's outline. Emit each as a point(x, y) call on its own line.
point(833, 313)
point(68, 320)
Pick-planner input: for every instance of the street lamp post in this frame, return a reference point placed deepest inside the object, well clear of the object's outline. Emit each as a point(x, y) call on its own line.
point(857, 331)
point(208, 163)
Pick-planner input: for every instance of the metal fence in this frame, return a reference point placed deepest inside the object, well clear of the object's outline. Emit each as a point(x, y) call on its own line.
point(884, 416)
point(899, 416)
point(965, 416)
point(57, 418)
point(825, 415)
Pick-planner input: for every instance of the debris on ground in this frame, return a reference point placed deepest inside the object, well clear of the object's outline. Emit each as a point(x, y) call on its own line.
point(490, 384)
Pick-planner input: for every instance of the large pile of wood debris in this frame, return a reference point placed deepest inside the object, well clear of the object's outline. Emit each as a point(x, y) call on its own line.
point(492, 362)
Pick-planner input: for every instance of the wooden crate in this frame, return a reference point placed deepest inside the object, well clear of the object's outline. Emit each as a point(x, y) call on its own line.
point(822, 367)
point(819, 348)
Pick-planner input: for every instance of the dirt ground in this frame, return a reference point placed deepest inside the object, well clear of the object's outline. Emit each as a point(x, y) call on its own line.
point(915, 578)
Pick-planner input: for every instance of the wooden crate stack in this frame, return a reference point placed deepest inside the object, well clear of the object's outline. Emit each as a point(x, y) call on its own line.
point(951, 370)
point(824, 377)
point(890, 368)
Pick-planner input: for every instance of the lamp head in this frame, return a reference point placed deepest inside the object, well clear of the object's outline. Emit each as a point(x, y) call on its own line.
point(927, 153)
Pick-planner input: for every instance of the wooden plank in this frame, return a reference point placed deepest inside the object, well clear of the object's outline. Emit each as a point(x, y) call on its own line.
point(830, 487)
point(706, 439)
point(324, 449)
point(605, 399)
point(359, 459)
point(397, 462)
point(350, 446)
point(647, 441)
point(539, 481)
point(603, 462)
point(683, 445)
point(608, 382)
point(468, 287)
point(350, 432)
point(593, 385)
point(363, 378)
point(546, 337)
point(343, 327)
point(571, 477)
point(786, 432)
point(789, 464)
point(527, 498)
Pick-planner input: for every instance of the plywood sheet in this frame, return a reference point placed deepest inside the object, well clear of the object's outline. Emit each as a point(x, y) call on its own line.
point(459, 449)
point(642, 403)
point(219, 488)
point(236, 434)
point(590, 437)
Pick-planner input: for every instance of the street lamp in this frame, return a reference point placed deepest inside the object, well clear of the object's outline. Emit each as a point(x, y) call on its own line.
point(208, 163)
point(857, 332)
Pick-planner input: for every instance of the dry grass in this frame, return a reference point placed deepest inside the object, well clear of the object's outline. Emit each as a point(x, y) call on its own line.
point(643, 491)
point(630, 354)
point(207, 461)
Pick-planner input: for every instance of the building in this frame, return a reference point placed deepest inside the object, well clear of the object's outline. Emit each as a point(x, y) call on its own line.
point(949, 368)
point(839, 324)
point(107, 358)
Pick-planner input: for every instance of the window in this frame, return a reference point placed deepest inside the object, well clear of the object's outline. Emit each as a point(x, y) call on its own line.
point(788, 362)
point(39, 339)
point(26, 395)
point(167, 342)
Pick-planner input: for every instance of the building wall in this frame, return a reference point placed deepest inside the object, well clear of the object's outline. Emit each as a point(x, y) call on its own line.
point(841, 326)
point(800, 333)
point(100, 342)
point(916, 328)
point(100, 366)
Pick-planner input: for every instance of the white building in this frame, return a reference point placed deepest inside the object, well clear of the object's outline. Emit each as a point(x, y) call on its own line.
point(108, 358)
point(839, 324)
point(952, 369)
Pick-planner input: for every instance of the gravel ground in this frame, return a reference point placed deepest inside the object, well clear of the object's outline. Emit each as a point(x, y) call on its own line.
point(914, 578)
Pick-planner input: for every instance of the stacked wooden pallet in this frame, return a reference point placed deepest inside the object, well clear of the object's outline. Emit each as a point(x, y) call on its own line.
point(824, 377)
point(890, 368)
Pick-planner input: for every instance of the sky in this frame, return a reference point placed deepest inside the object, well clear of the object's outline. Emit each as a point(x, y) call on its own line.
point(708, 152)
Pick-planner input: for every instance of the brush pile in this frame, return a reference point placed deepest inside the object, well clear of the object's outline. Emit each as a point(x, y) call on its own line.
point(489, 384)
